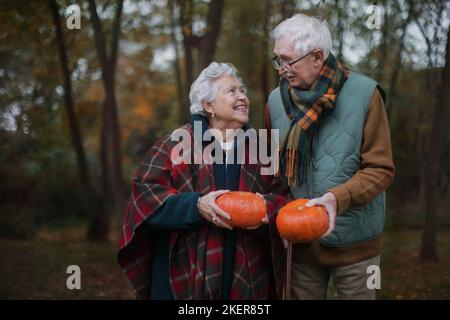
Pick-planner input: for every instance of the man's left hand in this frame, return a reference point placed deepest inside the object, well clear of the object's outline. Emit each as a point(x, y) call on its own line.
point(328, 200)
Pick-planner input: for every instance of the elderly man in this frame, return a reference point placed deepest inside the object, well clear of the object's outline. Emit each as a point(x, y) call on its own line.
point(336, 151)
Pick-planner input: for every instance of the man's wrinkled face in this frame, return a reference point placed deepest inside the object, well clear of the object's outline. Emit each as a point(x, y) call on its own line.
point(302, 73)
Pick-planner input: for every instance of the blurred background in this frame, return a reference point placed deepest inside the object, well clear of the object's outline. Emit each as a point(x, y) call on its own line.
point(85, 90)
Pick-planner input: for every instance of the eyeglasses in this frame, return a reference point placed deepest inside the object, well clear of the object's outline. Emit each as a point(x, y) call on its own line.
point(278, 63)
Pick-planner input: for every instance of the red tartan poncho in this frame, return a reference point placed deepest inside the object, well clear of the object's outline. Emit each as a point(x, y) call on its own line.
point(196, 257)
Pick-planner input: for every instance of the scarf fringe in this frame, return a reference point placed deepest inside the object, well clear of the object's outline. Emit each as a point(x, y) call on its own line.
point(291, 160)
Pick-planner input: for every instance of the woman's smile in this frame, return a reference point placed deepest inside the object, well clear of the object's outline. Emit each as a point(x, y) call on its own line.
point(241, 108)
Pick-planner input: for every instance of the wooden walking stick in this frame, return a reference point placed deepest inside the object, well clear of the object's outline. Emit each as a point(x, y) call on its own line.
point(287, 284)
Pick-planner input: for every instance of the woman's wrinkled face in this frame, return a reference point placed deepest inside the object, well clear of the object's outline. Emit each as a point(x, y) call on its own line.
point(231, 104)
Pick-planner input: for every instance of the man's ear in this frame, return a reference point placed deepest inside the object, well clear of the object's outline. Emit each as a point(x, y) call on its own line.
point(318, 58)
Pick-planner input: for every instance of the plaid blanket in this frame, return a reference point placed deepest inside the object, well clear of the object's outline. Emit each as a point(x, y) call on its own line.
point(196, 257)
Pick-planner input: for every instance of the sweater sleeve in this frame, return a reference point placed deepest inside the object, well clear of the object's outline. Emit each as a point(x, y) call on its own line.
point(377, 167)
point(179, 212)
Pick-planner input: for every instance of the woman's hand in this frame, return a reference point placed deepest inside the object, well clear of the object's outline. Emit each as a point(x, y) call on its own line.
point(210, 210)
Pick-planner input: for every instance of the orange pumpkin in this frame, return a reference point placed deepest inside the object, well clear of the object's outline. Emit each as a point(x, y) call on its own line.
point(246, 209)
point(298, 223)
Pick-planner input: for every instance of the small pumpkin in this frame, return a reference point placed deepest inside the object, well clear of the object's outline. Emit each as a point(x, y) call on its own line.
point(298, 223)
point(246, 209)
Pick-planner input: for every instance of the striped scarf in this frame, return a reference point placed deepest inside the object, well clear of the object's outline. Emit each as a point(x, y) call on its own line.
point(305, 109)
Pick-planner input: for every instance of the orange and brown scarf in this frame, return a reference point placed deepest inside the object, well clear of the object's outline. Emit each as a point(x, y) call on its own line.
point(305, 109)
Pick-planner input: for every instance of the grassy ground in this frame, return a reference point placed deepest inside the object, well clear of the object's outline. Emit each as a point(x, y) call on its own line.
point(402, 274)
point(404, 277)
point(36, 269)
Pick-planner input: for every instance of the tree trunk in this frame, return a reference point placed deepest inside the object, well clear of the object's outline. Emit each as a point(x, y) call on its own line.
point(110, 156)
point(182, 107)
point(340, 27)
point(208, 42)
point(429, 252)
point(186, 8)
point(265, 55)
point(421, 140)
point(205, 45)
point(68, 101)
point(397, 66)
point(384, 42)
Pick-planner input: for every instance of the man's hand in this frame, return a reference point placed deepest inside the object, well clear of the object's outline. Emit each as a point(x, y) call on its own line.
point(328, 200)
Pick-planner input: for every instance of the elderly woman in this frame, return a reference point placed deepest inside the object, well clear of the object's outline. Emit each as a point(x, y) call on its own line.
point(176, 242)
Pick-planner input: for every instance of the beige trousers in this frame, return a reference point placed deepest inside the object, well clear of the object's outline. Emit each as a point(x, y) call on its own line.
point(310, 282)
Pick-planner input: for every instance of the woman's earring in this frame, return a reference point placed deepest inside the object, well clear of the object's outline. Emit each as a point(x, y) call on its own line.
point(213, 115)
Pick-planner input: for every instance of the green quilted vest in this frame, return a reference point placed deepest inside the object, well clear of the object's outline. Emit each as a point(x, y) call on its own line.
point(336, 158)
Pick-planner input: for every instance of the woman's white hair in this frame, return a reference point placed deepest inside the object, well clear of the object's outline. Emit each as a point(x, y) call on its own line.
point(203, 88)
point(308, 33)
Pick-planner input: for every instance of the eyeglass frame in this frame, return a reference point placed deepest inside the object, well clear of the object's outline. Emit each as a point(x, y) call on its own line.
point(278, 65)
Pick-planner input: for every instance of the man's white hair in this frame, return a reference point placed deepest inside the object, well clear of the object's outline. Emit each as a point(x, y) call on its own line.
point(203, 88)
point(308, 33)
